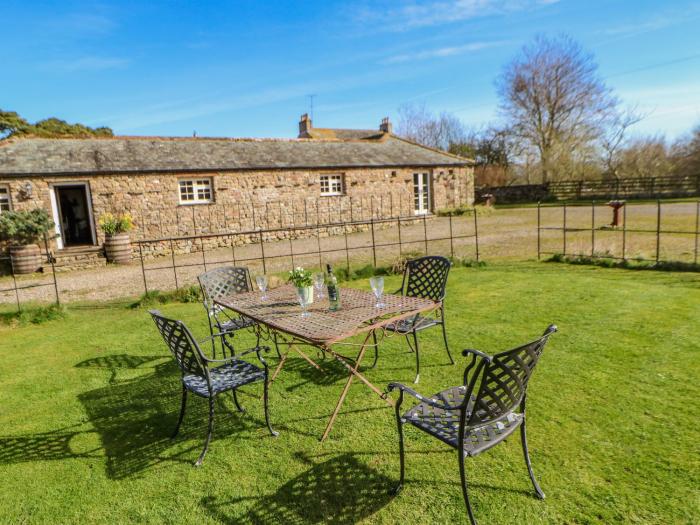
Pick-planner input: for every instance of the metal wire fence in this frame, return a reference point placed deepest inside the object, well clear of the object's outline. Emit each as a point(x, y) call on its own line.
point(658, 234)
point(317, 245)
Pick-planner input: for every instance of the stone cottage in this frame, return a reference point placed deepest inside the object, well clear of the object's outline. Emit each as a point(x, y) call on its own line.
point(177, 187)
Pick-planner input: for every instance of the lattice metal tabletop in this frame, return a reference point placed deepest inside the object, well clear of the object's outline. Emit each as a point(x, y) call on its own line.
point(358, 314)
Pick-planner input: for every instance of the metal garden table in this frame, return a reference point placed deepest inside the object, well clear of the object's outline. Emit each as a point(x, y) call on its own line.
point(279, 319)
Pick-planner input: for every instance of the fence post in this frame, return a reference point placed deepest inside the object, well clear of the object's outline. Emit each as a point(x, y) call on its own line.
point(172, 255)
point(452, 248)
point(50, 259)
point(204, 257)
point(291, 250)
point(398, 221)
point(564, 232)
point(624, 232)
point(538, 231)
point(347, 251)
point(658, 228)
point(425, 234)
point(592, 229)
point(143, 269)
point(697, 227)
point(262, 251)
point(476, 235)
point(374, 248)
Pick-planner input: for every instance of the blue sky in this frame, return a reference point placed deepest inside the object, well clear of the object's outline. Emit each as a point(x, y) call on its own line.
point(245, 68)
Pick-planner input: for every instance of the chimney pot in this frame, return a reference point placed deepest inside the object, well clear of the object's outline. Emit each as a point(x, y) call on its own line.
point(385, 126)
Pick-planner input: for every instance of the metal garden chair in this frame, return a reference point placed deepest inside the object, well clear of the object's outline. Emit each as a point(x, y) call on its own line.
point(222, 282)
point(206, 377)
point(424, 277)
point(482, 412)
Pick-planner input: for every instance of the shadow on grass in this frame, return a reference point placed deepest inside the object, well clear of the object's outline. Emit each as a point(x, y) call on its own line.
point(45, 446)
point(340, 490)
point(135, 417)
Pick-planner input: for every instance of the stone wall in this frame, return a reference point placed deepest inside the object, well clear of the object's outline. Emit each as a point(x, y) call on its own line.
point(250, 200)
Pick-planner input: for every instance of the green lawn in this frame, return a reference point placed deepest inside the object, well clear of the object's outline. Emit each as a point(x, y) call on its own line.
point(88, 403)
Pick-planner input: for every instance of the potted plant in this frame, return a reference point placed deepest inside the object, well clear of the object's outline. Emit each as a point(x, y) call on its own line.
point(304, 284)
point(23, 230)
point(117, 244)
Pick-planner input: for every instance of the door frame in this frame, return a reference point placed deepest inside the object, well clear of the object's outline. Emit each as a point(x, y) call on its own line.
point(56, 210)
point(429, 193)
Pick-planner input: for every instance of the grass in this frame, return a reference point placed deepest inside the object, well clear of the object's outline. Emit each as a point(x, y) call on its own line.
point(89, 401)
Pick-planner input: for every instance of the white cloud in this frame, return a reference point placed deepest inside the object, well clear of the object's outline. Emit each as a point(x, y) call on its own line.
point(437, 12)
point(442, 52)
point(86, 64)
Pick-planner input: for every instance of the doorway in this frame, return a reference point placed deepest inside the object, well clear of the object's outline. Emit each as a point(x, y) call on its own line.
point(421, 193)
point(73, 215)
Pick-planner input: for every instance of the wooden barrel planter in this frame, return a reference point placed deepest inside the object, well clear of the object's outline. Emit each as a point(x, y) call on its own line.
point(118, 248)
point(25, 259)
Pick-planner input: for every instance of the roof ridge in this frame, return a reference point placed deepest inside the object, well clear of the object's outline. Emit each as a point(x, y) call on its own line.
point(436, 150)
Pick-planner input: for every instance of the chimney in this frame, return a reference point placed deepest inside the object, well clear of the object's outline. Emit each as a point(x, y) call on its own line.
point(305, 126)
point(385, 126)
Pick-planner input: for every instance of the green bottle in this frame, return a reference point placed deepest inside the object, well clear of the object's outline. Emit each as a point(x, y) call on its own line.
point(333, 290)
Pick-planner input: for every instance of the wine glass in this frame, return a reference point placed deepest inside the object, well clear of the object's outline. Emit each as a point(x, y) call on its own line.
point(304, 296)
point(261, 281)
point(377, 284)
point(319, 281)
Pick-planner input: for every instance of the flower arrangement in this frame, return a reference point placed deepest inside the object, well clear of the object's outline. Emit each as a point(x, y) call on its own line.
point(300, 278)
point(113, 224)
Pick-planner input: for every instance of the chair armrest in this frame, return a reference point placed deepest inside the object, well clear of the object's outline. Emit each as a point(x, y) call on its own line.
point(428, 401)
point(256, 349)
point(476, 353)
point(220, 334)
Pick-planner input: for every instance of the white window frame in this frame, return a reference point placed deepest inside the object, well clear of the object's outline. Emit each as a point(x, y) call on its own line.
point(200, 186)
point(332, 184)
point(5, 199)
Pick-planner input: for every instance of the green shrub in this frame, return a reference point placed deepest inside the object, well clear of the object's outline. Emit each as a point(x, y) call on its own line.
point(630, 264)
point(33, 315)
point(189, 294)
point(24, 227)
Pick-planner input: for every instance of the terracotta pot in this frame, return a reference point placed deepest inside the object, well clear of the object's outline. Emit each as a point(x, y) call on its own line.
point(25, 259)
point(118, 248)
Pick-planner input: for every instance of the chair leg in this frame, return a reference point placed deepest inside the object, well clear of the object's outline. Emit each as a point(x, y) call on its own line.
point(444, 337)
point(183, 404)
point(235, 401)
point(415, 343)
point(402, 462)
point(267, 410)
point(209, 432)
point(523, 438)
point(376, 350)
point(465, 494)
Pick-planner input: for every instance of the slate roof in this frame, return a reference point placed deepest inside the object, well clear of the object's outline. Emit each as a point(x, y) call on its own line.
point(36, 156)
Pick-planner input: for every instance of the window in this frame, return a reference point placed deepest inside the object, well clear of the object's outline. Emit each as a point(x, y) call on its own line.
point(4, 198)
point(195, 191)
point(331, 184)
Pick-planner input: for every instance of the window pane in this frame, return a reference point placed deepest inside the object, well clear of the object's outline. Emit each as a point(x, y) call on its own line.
point(4, 199)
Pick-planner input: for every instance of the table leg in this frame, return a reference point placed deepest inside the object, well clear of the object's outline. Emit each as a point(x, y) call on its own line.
point(308, 359)
point(353, 372)
point(279, 366)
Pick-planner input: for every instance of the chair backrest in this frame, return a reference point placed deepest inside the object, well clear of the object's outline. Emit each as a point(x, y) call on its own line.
point(503, 381)
point(181, 344)
point(224, 281)
point(426, 277)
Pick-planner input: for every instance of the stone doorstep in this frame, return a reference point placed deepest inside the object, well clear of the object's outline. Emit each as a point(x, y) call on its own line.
point(79, 257)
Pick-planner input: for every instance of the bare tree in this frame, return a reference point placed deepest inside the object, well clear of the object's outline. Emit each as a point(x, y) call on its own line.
point(554, 101)
point(645, 157)
point(685, 154)
point(613, 139)
point(419, 124)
